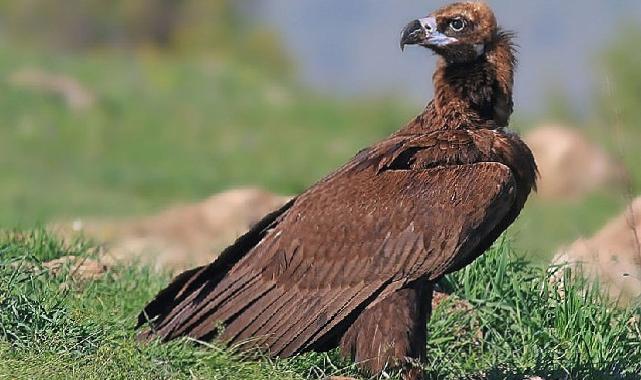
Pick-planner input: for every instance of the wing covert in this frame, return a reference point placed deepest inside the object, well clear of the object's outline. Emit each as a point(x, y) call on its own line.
point(343, 245)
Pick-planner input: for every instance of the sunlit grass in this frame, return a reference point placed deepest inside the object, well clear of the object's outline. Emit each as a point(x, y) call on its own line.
point(513, 323)
point(167, 129)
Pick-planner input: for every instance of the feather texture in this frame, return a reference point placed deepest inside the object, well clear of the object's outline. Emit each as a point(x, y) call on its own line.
point(351, 261)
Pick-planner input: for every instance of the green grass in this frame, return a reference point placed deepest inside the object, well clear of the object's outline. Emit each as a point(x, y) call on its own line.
point(517, 325)
point(546, 225)
point(167, 129)
point(177, 128)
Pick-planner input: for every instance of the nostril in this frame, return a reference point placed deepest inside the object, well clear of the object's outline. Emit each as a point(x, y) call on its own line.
point(427, 24)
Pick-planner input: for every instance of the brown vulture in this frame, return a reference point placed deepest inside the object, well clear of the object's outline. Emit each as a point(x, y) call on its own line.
point(351, 262)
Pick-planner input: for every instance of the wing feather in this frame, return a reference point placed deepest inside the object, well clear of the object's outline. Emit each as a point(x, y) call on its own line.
point(257, 316)
point(346, 243)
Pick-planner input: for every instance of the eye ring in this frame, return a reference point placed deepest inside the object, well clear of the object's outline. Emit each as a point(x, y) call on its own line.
point(457, 24)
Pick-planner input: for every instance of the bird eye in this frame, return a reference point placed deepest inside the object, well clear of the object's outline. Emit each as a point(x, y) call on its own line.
point(457, 24)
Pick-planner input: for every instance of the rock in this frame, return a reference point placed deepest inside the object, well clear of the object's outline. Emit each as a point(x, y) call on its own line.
point(182, 236)
point(612, 255)
point(570, 165)
point(75, 95)
point(438, 297)
point(79, 268)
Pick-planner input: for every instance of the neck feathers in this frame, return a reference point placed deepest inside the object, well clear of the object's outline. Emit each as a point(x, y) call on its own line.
point(475, 94)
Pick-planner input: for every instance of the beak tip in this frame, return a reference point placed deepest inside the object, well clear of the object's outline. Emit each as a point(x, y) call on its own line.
point(412, 34)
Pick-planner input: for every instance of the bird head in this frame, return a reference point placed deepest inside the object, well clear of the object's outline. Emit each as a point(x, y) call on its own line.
point(459, 32)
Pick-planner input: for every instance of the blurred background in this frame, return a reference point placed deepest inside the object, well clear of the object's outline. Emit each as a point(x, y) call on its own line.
point(122, 118)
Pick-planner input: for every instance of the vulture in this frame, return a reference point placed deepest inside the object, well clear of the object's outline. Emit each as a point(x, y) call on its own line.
point(352, 261)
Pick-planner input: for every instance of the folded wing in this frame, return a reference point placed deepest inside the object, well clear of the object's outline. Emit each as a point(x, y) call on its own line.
point(304, 273)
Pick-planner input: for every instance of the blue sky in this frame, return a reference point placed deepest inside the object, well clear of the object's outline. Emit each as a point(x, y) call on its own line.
point(351, 46)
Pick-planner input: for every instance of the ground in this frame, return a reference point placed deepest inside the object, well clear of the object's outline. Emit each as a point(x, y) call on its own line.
point(513, 324)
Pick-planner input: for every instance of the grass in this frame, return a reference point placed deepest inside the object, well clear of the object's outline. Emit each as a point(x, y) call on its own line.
point(173, 128)
point(167, 129)
point(514, 324)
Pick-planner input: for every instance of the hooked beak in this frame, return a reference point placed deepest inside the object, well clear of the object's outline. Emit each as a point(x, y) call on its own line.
point(424, 32)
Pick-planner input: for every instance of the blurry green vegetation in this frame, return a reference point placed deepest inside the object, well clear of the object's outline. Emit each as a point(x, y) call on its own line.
point(621, 86)
point(224, 28)
point(547, 225)
point(614, 123)
point(559, 106)
point(619, 102)
point(192, 97)
point(164, 129)
point(514, 324)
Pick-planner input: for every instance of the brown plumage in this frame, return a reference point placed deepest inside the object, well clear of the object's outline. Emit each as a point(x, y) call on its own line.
point(351, 261)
